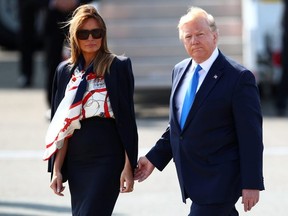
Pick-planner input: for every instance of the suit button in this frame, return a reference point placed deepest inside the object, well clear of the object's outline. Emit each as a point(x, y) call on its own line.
point(181, 137)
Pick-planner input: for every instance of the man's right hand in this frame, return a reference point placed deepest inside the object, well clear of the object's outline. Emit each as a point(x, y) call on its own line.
point(144, 169)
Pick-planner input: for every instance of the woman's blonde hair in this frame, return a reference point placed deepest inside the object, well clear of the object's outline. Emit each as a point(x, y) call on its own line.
point(104, 57)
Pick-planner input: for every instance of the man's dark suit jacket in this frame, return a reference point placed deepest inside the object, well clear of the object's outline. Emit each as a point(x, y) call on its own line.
point(219, 151)
point(120, 87)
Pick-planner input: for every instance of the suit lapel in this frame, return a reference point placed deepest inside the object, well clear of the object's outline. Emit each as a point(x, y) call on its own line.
point(180, 73)
point(213, 76)
point(111, 81)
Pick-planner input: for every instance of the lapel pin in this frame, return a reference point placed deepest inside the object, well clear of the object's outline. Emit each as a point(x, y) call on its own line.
point(215, 76)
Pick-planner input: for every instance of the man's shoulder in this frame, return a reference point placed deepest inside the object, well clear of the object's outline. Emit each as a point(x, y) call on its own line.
point(230, 62)
point(184, 62)
point(235, 68)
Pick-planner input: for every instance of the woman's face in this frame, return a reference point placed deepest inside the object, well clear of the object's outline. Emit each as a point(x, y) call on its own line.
point(89, 37)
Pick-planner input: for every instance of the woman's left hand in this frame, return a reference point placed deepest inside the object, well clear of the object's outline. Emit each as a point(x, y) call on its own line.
point(126, 179)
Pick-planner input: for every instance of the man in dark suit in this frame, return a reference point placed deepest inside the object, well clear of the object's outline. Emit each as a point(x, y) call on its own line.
point(218, 149)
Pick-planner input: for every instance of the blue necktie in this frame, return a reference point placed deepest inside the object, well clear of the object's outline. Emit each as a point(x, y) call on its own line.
point(190, 95)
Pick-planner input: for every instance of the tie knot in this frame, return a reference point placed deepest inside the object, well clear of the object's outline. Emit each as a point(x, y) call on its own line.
point(198, 68)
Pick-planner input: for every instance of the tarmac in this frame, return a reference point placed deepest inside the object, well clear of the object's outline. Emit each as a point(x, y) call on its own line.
point(24, 182)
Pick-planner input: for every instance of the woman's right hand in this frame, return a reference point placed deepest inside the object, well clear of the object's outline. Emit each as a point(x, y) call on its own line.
point(57, 184)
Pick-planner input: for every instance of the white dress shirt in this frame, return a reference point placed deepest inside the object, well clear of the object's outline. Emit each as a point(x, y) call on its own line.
point(206, 65)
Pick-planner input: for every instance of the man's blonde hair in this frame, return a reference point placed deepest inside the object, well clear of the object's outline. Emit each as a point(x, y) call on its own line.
point(196, 12)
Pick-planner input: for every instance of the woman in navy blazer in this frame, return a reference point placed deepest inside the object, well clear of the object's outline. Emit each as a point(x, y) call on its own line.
point(218, 152)
point(92, 139)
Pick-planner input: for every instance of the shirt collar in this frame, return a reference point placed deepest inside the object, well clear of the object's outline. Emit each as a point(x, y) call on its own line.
point(206, 65)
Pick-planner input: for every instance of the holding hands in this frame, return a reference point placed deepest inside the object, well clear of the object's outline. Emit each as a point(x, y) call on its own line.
point(144, 169)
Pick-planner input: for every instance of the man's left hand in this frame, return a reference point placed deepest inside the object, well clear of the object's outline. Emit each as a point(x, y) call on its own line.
point(249, 198)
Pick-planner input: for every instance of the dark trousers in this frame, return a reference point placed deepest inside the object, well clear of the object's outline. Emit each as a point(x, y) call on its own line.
point(28, 10)
point(54, 37)
point(222, 209)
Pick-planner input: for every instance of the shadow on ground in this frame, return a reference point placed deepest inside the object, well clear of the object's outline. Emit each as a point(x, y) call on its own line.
point(32, 206)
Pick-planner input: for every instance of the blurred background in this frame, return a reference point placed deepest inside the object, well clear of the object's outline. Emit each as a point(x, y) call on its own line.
point(251, 32)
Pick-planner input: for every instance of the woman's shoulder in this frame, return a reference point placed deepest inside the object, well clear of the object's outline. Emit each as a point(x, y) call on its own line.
point(121, 63)
point(63, 70)
point(63, 65)
point(120, 58)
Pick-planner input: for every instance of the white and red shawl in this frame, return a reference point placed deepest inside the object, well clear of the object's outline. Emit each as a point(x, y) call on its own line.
point(66, 118)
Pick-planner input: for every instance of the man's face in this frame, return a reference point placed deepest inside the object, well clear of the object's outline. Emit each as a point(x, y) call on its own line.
point(199, 41)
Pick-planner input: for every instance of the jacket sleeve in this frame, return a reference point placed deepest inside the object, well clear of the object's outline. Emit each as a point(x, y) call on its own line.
point(248, 120)
point(61, 78)
point(121, 91)
point(161, 154)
